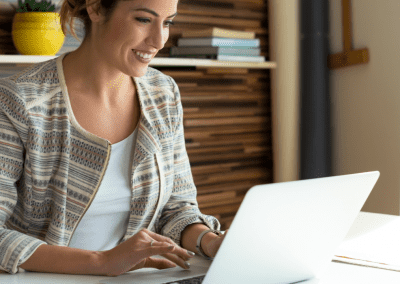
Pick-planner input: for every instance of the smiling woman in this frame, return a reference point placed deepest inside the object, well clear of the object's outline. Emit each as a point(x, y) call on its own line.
point(110, 183)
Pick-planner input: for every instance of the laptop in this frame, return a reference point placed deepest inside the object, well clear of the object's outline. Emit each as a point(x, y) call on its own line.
point(282, 233)
point(288, 232)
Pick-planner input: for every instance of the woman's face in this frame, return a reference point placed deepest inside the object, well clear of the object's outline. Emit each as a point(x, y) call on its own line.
point(136, 26)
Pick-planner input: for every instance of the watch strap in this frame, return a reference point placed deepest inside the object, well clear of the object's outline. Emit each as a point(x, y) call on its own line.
point(198, 246)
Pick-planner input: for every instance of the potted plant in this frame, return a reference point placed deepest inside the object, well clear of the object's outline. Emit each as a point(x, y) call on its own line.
point(36, 28)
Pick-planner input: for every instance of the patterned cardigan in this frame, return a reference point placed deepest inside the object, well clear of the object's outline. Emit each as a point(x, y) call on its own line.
point(51, 167)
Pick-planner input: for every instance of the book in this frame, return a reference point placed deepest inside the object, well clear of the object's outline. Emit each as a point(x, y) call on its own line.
point(214, 50)
point(217, 41)
point(218, 32)
point(225, 57)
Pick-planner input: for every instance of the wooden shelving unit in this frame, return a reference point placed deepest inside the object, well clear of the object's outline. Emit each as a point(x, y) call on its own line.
point(227, 105)
point(157, 61)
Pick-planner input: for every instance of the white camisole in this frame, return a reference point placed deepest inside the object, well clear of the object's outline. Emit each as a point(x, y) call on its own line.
point(106, 220)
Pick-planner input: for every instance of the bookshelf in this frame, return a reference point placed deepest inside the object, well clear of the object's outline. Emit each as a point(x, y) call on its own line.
point(157, 61)
point(227, 105)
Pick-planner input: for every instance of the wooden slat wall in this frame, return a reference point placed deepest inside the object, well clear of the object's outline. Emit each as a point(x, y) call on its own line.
point(227, 112)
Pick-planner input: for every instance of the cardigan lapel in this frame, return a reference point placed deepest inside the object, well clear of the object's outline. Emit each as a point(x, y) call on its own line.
point(147, 142)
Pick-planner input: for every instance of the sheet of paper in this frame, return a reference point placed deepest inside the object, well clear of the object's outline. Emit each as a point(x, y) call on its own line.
point(198, 266)
point(366, 263)
point(373, 240)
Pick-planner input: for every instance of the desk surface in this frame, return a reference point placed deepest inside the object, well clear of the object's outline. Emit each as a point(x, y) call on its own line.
point(336, 272)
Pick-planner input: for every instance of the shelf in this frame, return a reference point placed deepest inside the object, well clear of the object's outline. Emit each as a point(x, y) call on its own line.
point(157, 61)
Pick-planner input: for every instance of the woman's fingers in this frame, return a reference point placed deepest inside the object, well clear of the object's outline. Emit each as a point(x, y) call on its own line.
point(161, 240)
point(154, 263)
point(175, 254)
point(184, 263)
point(159, 263)
point(158, 248)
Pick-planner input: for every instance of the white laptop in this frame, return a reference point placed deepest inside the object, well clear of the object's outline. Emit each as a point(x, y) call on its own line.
point(283, 232)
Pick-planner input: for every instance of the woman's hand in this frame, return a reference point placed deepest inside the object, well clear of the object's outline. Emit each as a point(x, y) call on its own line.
point(135, 253)
point(213, 246)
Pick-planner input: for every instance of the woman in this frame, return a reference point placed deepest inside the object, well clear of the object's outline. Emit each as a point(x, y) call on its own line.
point(94, 174)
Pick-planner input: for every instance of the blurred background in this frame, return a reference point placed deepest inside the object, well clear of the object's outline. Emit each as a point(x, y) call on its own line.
point(363, 124)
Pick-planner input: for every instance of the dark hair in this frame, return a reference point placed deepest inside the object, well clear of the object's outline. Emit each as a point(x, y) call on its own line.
point(71, 9)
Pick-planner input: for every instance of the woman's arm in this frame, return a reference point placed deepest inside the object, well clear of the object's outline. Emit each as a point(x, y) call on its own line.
point(15, 246)
point(182, 210)
point(190, 235)
point(64, 260)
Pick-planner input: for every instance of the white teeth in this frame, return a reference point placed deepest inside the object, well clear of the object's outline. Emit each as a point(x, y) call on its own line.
point(143, 55)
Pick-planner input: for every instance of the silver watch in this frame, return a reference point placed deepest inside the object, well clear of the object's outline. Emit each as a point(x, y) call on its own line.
point(198, 246)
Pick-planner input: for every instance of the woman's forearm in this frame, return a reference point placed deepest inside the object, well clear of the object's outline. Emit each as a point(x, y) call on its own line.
point(191, 233)
point(64, 260)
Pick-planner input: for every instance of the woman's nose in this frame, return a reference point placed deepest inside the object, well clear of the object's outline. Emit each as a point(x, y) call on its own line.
point(158, 37)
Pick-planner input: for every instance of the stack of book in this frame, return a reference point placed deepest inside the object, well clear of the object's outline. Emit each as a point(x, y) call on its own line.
point(219, 44)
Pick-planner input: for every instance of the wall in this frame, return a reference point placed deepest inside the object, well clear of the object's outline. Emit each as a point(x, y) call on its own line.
point(366, 100)
point(284, 27)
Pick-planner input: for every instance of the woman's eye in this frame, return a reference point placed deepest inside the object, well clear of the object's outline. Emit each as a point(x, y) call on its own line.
point(144, 20)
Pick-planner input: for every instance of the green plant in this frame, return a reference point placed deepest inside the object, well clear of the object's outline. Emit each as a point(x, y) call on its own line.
point(32, 6)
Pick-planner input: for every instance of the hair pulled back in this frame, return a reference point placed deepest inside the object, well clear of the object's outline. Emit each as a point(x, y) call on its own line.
point(76, 9)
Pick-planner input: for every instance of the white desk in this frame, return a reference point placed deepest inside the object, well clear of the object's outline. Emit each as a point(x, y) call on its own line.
point(336, 273)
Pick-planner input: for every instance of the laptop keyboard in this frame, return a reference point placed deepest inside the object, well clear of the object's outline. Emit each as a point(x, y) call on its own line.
point(193, 280)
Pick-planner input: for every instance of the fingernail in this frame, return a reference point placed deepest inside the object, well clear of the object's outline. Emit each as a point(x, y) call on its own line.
point(187, 264)
point(190, 253)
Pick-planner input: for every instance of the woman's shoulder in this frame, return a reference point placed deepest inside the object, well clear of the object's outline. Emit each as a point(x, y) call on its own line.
point(32, 83)
point(159, 89)
point(156, 79)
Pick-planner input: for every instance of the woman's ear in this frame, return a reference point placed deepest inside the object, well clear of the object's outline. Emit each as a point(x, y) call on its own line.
point(94, 11)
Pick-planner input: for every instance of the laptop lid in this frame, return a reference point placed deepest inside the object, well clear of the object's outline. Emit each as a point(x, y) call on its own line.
point(287, 232)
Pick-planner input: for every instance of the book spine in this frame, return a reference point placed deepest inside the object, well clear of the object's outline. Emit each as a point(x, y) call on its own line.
point(241, 58)
point(234, 34)
point(216, 32)
point(224, 57)
point(222, 42)
point(212, 50)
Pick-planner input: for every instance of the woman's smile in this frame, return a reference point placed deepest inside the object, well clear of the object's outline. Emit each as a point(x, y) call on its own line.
point(146, 59)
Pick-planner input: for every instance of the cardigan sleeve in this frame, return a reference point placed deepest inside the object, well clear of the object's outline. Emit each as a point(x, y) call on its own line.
point(15, 247)
point(182, 209)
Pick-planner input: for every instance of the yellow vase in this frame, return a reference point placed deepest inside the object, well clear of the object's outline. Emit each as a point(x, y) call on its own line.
point(37, 33)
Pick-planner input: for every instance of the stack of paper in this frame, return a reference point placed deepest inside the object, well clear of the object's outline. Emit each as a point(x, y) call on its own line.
point(373, 240)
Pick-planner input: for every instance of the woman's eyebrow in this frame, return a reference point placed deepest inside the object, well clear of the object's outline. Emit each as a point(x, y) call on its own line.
point(151, 12)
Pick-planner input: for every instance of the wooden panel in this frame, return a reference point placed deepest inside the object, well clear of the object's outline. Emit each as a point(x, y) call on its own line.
point(217, 21)
point(221, 210)
point(242, 186)
point(227, 111)
point(218, 12)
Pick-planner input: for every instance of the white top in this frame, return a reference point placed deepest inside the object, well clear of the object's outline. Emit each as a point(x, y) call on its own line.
point(106, 220)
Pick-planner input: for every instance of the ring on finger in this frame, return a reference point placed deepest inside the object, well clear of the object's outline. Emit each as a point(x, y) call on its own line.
point(151, 244)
